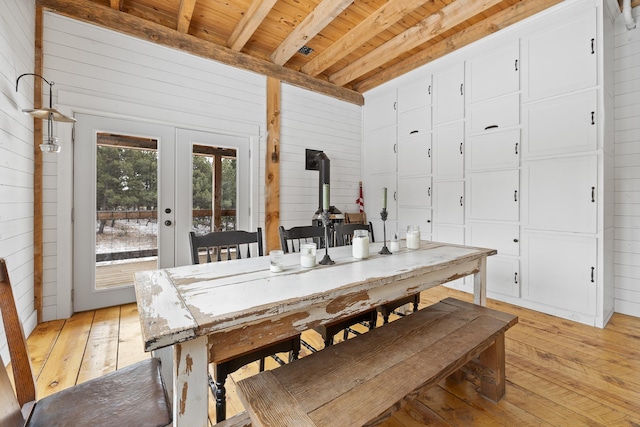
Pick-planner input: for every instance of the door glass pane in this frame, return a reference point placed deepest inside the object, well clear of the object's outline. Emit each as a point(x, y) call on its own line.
point(214, 189)
point(126, 208)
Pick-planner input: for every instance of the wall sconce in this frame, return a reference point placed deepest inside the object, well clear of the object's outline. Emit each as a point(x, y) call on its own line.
point(49, 114)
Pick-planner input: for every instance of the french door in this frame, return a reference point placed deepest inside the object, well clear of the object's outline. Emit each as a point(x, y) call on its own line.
point(139, 188)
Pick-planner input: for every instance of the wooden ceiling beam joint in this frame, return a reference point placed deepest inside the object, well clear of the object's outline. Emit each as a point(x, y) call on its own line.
point(185, 13)
point(250, 21)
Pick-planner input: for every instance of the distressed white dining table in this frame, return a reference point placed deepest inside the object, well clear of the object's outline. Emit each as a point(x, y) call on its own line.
point(199, 314)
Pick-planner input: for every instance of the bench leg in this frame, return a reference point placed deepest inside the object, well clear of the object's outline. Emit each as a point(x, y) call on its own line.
point(492, 383)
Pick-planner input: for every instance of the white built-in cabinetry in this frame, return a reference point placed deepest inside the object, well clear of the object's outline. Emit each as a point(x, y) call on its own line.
point(503, 145)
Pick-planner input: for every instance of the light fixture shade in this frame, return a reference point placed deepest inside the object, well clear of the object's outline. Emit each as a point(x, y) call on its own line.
point(48, 113)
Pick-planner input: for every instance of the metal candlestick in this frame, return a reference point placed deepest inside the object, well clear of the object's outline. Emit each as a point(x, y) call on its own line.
point(383, 216)
point(326, 260)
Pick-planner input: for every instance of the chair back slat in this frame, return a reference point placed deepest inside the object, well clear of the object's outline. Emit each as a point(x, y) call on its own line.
point(291, 239)
point(20, 361)
point(225, 240)
point(344, 232)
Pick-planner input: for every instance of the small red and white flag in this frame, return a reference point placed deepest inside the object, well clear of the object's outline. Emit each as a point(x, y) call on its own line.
point(360, 200)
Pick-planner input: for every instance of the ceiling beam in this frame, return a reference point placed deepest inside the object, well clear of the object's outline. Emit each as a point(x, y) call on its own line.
point(250, 21)
point(185, 13)
point(116, 4)
point(97, 14)
point(375, 23)
point(317, 20)
point(432, 26)
point(490, 25)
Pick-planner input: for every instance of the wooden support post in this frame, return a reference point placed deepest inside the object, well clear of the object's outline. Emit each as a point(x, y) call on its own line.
point(272, 167)
point(492, 382)
point(217, 193)
point(37, 172)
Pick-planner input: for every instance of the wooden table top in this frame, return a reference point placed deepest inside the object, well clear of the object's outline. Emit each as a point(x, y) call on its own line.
point(178, 304)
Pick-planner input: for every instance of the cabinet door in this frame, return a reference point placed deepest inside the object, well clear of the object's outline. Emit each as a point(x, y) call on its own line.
point(448, 93)
point(414, 216)
point(562, 125)
point(414, 155)
point(380, 110)
point(494, 150)
point(562, 58)
point(415, 122)
point(495, 113)
point(380, 151)
point(448, 151)
point(560, 271)
point(448, 202)
point(414, 191)
point(562, 194)
point(414, 95)
point(496, 73)
point(503, 276)
point(373, 195)
point(494, 195)
point(505, 238)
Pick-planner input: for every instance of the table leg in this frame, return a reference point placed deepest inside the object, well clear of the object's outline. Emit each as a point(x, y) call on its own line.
point(190, 398)
point(480, 283)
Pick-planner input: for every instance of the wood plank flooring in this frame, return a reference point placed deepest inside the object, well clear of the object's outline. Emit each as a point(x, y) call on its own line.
point(559, 373)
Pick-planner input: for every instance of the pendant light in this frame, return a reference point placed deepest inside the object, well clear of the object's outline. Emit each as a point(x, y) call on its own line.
point(49, 114)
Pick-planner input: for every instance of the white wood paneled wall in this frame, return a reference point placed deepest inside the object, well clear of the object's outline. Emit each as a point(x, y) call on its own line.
point(17, 29)
point(627, 168)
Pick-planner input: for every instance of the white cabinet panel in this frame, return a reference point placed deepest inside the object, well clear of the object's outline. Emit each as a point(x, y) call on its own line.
point(373, 197)
point(562, 125)
point(505, 238)
point(448, 94)
point(448, 199)
point(415, 122)
point(562, 58)
point(503, 276)
point(380, 110)
point(495, 114)
point(562, 194)
point(559, 270)
point(380, 150)
point(414, 191)
point(414, 216)
point(414, 95)
point(494, 150)
point(494, 195)
point(414, 155)
point(496, 73)
point(448, 151)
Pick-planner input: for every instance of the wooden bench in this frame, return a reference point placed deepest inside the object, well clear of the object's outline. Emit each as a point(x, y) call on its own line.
point(362, 381)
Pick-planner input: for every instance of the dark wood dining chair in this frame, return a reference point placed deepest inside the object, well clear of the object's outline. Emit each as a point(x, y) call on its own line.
point(240, 241)
point(344, 235)
point(290, 241)
point(131, 396)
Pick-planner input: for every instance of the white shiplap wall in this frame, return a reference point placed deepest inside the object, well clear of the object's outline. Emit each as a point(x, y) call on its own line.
point(17, 29)
point(99, 71)
point(627, 168)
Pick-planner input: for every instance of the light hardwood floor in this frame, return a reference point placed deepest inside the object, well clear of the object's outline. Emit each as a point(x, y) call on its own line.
point(559, 373)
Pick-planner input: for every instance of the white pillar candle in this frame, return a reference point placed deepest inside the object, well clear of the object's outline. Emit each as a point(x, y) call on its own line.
point(308, 255)
point(360, 244)
point(276, 261)
point(413, 237)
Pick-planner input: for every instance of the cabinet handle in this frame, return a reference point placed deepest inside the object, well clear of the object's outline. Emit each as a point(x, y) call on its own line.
point(593, 47)
point(461, 147)
point(491, 127)
point(593, 269)
point(593, 194)
point(515, 196)
point(429, 153)
point(593, 117)
point(516, 148)
point(413, 131)
point(460, 200)
point(429, 90)
point(516, 65)
point(429, 192)
point(395, 105)
point(461, 86)
point(515, 240)
point(515, 278)
point(429, 221)
point(395, 196)
point(395, 148)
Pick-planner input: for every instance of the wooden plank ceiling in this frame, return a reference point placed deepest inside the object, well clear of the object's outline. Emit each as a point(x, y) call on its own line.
point(355, 45)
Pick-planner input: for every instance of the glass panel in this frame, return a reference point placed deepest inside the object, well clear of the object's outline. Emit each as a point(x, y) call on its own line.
point(126, 208)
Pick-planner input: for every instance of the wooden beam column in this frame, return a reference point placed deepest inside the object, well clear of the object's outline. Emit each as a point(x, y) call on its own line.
point(37, 172)
point(272, 166)
point(217, 193)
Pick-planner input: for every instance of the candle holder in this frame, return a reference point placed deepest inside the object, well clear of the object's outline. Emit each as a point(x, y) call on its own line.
point(326, 260)
point(383, 216)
